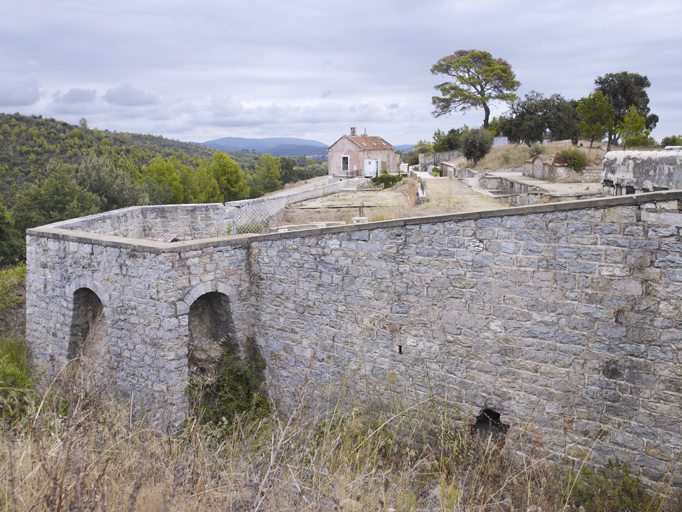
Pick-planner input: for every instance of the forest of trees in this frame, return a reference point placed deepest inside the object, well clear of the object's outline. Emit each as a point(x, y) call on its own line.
point(51, 170)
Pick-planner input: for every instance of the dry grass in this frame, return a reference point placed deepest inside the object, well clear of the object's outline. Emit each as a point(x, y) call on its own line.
point(81, 450)
point(511, 155)
point(445, 196)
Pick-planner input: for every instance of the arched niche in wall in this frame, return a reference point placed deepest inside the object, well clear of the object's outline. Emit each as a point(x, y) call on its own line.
point(88, 326)
point(211, 330)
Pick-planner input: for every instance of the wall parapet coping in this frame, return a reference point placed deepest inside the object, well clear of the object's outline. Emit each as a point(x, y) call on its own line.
point(51, 231)
point(64, 224)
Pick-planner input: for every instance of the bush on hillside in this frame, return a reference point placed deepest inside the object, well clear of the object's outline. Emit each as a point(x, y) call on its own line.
point(475, 144)
point(536, 149)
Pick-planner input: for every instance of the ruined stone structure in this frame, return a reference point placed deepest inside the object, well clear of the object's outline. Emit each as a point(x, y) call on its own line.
point(437, 159)
point(634, 172)
point(542, 167)
point(562, 316)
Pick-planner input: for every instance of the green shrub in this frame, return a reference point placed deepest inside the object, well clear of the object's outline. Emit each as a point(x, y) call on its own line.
point(435, 172)
point(251, 227)
point(15, 380)
point(536, 149)
point(576, 159)
point(238, 388)
point(387, 180)
point(475, 144)
point(672, 140)
point(9, 279)
point(610, 489)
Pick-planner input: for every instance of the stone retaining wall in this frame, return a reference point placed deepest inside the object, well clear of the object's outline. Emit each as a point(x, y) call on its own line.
point(541, 167)
point(562, 316)
point(436, 159)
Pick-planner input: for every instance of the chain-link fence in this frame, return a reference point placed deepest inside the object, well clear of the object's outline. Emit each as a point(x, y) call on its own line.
point(260, 215)
point(256, 216)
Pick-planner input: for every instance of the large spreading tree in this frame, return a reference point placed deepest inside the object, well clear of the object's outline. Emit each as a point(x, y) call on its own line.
point(477, 80)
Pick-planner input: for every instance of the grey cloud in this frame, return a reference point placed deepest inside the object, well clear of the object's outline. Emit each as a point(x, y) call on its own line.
point(128, 96)
point(235, 68)
point(18, 94)
point(78, 96)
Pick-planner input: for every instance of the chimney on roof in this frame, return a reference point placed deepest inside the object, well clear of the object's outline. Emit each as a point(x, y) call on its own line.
point(353, 131)
point(365, 134)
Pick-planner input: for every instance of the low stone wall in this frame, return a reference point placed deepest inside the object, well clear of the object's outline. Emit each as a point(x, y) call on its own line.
point(562, 316)
point(542, 167)
point(436, 159)
point(538, 167)
point(197, 221)
point(564, 174)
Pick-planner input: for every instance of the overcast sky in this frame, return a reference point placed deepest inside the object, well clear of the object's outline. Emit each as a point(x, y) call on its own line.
point(196, 71)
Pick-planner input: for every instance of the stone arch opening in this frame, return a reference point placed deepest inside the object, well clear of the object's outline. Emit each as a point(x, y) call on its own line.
point(211, 331)
point(88, 326)
point(488, 424)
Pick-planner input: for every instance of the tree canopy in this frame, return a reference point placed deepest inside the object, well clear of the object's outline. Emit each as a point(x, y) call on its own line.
point(623, 90)
point(267, 176)
point(632, 129)
point(671, 140)
point(450, 141)
point(478, 80)
point(531, 117)
point(57, 198)
point(10, 241)
point(595, 116)
point(115, 187)
point(230, 178)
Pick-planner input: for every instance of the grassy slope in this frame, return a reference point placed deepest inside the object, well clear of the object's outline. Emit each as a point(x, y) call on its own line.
point(511, 155)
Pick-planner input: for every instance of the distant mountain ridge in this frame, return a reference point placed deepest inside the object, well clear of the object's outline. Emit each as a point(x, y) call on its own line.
point(278, 146)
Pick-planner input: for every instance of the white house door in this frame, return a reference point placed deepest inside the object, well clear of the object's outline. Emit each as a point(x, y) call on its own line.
point(370, 167)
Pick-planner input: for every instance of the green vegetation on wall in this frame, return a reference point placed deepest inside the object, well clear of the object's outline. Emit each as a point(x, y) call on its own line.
point(238, 388)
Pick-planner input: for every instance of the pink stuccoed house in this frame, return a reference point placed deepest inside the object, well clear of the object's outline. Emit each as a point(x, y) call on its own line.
point(361, 155)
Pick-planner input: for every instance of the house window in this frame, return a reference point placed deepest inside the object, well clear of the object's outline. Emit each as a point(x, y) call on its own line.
point(344, 163)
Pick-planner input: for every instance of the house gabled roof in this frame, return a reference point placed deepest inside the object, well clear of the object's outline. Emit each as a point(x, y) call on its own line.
point(367, 142)
point(370, 142)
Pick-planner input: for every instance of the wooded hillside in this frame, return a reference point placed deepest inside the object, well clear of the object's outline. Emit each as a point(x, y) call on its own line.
point(51, 171)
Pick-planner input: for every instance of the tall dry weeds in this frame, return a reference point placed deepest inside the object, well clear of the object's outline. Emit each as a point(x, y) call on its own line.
point(77, 448)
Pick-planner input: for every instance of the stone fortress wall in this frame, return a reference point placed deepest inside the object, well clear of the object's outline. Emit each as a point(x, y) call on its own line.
point(566, 316)
point(634, 172)
point(197, 221)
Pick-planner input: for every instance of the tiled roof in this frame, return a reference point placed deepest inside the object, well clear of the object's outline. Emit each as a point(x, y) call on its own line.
point(369, 142)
